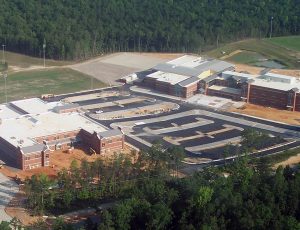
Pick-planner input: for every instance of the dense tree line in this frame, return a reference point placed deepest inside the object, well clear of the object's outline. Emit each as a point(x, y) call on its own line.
point(146, 192)
point(251, 197)
point(102, 180)
point(80, 29)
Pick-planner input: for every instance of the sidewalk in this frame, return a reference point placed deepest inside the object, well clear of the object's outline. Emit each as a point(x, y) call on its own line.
point(8, 189)
point(154, 93)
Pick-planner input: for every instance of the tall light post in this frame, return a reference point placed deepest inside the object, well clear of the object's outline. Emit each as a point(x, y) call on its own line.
point(44, 50)
point(3, 55)
point(271, 26)
point(5, 88)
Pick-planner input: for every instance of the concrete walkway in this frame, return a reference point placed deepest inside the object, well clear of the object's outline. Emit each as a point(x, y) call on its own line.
point(8, 189)
point(154, 93)
point(202, 122)
point(213, 145)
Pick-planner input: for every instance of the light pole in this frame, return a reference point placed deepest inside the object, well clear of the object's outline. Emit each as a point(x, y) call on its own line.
point(44, 49)
point(3, 55)
point(92, 82)
point(5, 89)
point(271, 27)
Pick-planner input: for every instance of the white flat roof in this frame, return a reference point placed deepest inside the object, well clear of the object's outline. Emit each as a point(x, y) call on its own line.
point(275, 84)
point(225, 89)
point(7, 112)
point(27, 127)
point(242, 75)
point(170, 78)
point(279, 76)
point(35, 105)
point(188, 61)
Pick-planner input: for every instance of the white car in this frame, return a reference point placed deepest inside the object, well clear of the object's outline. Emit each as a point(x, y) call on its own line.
point(99, 111)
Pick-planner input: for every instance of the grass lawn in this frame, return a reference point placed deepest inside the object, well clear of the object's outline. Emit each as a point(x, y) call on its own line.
point(23, 61)
point(291, 42)
point(53, 81)
point(265, 48)
point(245, 57)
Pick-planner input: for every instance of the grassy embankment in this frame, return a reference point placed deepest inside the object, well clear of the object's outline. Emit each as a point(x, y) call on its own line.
point(284, 50)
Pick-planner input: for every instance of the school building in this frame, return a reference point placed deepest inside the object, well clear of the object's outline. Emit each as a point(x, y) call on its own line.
point(31, 129)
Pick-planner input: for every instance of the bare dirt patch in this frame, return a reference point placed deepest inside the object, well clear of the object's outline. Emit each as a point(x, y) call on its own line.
point(16, 208)
point(284, 116)
point(61, 159)
point(247, 68)
point(291, 161)
point(289, 72)
point(110, 68)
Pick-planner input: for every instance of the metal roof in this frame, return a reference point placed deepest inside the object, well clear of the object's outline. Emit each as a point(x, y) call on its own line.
point(188, 81)
point(110, 133)
point(194, 71)
point(65, 106)
point(211, 78)
point(33, 148)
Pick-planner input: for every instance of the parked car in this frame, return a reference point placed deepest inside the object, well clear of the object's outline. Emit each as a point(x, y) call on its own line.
point(99, 111)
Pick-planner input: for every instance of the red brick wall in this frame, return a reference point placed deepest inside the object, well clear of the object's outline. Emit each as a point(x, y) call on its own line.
point(58, 136)
point(191, 90)
point(112, 144)
point(218, 93)
point(268, 97)
point(297, 102)
point(32, 160)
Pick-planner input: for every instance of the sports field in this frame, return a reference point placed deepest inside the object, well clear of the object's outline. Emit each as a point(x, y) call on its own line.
point(282, 51)
point(23, 61)
point(291, 42)
point(27, 84)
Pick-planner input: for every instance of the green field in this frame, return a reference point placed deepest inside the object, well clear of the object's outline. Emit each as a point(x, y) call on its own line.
point(53, 81)
point(291, 42)
point(259, 48)
point(23, 61)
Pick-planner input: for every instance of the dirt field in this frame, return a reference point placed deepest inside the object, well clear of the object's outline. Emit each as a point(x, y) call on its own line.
point(58, 161)
point(289, 72)
point(110, 68)
point(250, 69)
point(16, 208)
point(284, 116)
point(291, 161)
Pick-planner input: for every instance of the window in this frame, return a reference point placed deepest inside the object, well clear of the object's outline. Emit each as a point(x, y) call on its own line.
point(103, 144)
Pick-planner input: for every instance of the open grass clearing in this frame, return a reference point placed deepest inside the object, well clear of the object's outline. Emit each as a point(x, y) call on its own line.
point(24, 61)
point(273, 52)
point(47, 81)
point(290, 42)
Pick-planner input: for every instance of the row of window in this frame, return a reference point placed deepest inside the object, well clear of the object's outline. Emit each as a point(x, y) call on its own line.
point(36, 156)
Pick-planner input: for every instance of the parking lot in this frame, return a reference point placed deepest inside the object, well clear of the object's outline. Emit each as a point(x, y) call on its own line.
point(203, 133)
point(199, 132)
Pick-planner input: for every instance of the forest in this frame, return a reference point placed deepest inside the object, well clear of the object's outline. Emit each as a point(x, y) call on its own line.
point(80, 29)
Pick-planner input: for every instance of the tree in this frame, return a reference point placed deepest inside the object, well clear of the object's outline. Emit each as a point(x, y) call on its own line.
point(159, 216)
point(107, 222)
point(4, 225)
point(176, 154)
point(204, 196)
